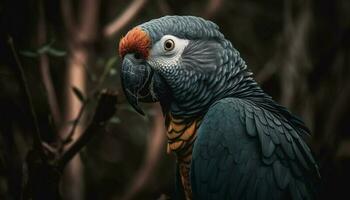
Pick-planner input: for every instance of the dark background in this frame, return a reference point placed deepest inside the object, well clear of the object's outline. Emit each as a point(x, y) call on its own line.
point(298, 50)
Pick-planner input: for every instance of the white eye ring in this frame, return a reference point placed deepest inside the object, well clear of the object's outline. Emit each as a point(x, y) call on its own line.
point(169, 45)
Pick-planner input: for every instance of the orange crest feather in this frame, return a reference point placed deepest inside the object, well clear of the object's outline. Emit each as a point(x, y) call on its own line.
point(135, 41)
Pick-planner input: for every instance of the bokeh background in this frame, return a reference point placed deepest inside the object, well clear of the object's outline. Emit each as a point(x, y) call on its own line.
point(298, 50)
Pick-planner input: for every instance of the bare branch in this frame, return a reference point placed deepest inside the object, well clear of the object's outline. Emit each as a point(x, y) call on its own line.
point(45, 69)
point(28, 98)
point(116, 25)
point(79, 42)
point(89, 13)
point(74, 127)
point(297, 35)
point(68, 18)
point(105, 109)
point(48, 147)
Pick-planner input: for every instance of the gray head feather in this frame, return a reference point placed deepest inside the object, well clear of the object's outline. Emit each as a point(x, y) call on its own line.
point(189, 27)
point(210, 68)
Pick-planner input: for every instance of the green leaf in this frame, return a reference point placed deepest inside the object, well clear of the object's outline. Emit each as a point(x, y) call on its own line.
point(29, 54)
point(47, 48)
point(56, 52)
point(114, 120)
point(112, 72)
point(111, 62)
point(44, 49)
point(79, 94)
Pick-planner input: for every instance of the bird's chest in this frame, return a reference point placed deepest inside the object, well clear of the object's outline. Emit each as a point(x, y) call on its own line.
point(181, 136)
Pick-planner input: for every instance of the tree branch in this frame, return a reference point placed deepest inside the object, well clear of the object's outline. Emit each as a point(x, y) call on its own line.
point(45, 69)
point(89, 15)
point(67, 15)
point(44, 175)
point(116, 25)
point(105, 109)
point(297, 35)
point(28, 98)
point(74, 127)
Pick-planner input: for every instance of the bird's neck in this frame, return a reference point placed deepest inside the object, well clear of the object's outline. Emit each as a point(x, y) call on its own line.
point(193, 97)
point(182, 134)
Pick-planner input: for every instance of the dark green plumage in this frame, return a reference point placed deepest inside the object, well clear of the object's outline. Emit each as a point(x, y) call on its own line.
point(244, 151)
point(247, 146)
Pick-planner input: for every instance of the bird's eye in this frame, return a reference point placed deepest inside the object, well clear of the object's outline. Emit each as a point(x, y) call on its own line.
point(169, 45)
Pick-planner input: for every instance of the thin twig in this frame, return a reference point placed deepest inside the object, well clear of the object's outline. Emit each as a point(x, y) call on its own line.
point(45, 69)
point(75, 124)
point(78, 145)
point(23, 81)
point(116, 25)
point(105, 109)
point(296, 34)
point(83, 107)
point(50, 149)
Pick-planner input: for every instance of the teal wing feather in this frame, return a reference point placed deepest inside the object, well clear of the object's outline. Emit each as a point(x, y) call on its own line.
point(244, 151)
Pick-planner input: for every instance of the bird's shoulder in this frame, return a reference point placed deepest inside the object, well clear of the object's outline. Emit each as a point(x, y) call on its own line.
point(244, 144)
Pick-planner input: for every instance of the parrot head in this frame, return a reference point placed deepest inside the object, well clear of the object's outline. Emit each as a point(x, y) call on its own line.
point(182, 61)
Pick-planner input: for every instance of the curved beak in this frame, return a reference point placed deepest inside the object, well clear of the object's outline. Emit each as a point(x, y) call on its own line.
point(136, 78)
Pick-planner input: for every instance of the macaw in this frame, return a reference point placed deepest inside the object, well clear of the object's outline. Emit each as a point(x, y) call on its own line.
point(231, 139)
